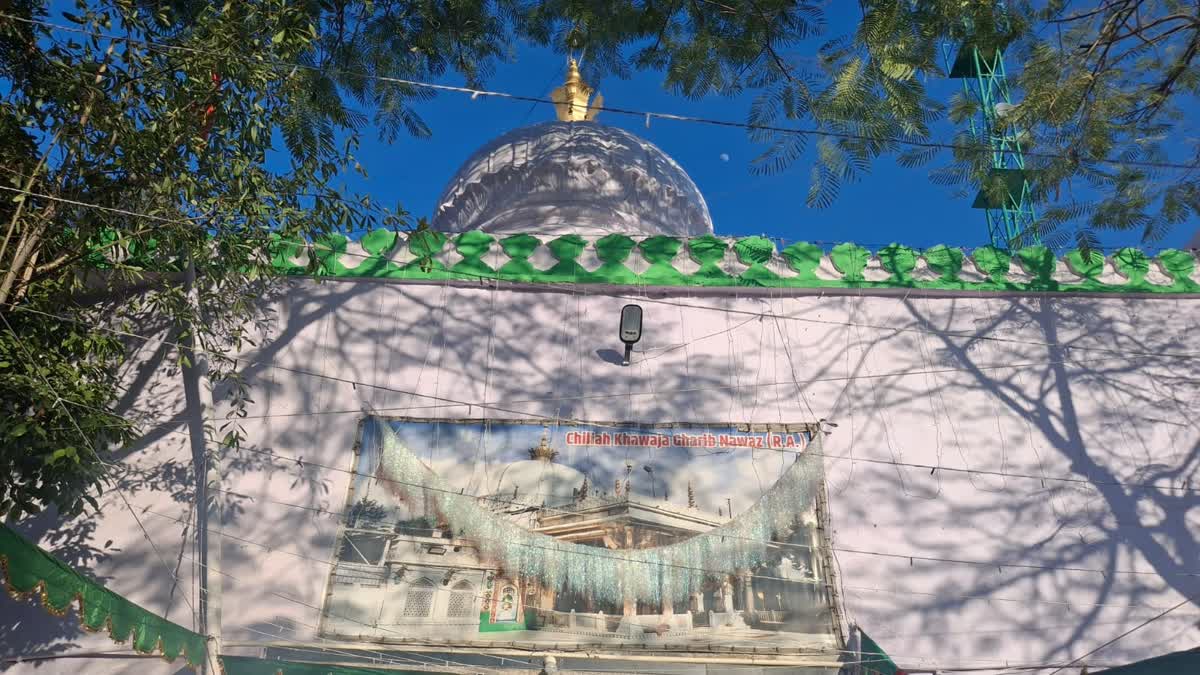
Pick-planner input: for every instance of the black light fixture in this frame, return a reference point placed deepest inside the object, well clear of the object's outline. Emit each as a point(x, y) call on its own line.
point(436, 550)
point(631, 329)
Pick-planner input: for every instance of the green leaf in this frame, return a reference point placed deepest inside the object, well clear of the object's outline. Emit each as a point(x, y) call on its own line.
point(944, 260)
point(1132, 263)
point(897, 70)
point(67, 452)
point(279, 37)
point(1089, 264)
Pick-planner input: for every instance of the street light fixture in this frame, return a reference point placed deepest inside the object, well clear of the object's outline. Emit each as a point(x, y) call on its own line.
point(631, 329)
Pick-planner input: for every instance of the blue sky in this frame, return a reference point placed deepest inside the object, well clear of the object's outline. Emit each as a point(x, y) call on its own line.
point(891, 204)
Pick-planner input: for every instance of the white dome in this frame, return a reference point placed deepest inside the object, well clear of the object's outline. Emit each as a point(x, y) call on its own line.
point(563, 177)
point(538, 481)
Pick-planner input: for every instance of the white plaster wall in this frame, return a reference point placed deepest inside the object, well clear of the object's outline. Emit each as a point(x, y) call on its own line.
point(156, 482)
point(1098, 391)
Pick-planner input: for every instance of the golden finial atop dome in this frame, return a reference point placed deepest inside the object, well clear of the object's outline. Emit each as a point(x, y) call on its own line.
point(571, 99)
point(543, 450)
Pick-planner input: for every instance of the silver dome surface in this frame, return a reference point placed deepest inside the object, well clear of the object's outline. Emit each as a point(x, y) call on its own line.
point(572, 177)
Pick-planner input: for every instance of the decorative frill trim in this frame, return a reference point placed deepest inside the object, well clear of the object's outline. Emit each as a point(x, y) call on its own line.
point(714, 262)
point(648, 574)
point(30, 572)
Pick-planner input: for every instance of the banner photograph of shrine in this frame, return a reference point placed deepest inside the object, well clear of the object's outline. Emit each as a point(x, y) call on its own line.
point(526, 531)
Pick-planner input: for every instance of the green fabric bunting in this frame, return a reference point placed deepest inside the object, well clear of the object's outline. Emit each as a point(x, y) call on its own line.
point(873, 659)
point(30, 571)
point(1175, 663)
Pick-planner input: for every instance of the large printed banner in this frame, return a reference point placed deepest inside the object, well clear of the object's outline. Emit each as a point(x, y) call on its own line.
point(407, 569)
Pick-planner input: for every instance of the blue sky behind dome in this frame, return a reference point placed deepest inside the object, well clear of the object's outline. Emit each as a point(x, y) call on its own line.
point(890, 204)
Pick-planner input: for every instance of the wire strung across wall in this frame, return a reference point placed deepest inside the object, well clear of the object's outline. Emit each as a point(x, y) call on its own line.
point(901, 556)
point(1036, 477)
point(449, 402)
point(851, 652)
point(105, 472)
point(660, 301)
point(552, 629)
point(322, 511)
point(311, 605)
point(969, 471)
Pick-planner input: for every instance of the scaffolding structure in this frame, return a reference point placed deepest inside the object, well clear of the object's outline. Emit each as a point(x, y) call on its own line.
point(1005, 196)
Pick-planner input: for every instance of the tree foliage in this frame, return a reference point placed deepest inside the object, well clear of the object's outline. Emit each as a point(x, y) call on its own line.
point(142, 138)
point(1100, 86)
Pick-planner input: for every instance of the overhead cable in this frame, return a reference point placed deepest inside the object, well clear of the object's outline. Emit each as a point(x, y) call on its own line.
point(642, 114)
point(451, 402)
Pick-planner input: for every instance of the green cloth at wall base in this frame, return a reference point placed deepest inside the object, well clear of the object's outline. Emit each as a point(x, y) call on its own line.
point(30, 572)
point(873, 659)
point(1175, 663)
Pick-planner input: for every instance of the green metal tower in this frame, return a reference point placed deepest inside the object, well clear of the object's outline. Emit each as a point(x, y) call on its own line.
point(1006, 199)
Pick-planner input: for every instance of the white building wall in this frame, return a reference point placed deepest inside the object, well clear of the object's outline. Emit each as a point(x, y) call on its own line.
point(980, 475)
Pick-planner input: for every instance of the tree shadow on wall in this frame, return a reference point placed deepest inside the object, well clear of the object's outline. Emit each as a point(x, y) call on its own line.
point(156, 477)
point(1109, 398)
point(427, 351)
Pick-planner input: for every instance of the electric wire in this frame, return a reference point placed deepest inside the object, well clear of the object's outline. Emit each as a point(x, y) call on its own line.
point(969, 471)
point(411, 640)
point(312, 607)
point(792, 544)
point(583, 647)
point(687, 390)
point(902, 556)
point(551, 629)
point(517, 503)
point(475, 93)
point(106, 471)
point(782, 241)
point(605, 293)
point(728, 310)
point(647, 299)
point(448, 402)
point(1136, 628)
point(608, 293)
point(873, 553)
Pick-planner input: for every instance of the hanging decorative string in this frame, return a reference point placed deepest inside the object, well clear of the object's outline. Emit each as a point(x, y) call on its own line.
point(670, 572)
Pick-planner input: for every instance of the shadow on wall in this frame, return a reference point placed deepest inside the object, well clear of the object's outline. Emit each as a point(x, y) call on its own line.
point(413, 329)
point(1105, 393)
point(156, 475)
point(1106, 398)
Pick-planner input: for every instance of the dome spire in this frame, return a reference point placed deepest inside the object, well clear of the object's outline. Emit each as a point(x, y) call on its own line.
point(571, 99)
point(543, 450)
